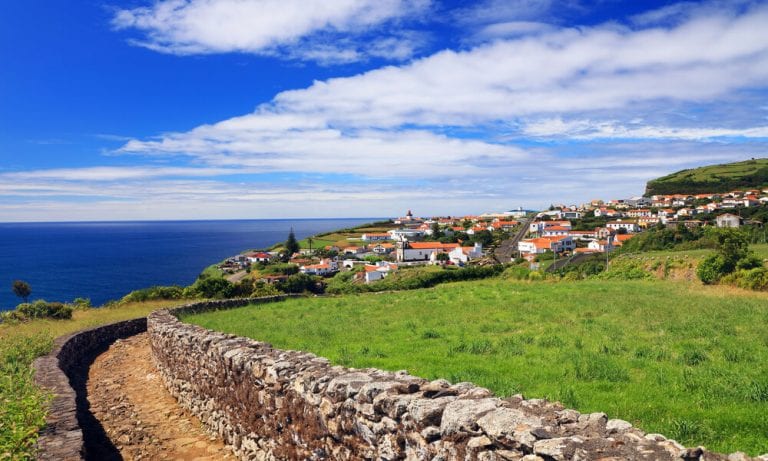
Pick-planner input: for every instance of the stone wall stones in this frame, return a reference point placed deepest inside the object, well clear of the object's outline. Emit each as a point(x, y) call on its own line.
point(71, 432)
point(272, 404)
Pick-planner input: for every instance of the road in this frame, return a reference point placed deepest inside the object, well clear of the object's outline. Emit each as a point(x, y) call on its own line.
point(508, 248)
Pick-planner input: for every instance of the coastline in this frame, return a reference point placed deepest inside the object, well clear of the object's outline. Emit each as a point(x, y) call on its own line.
point(107, 260)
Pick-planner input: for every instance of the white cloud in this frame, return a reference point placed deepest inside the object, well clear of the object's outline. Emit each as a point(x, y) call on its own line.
point(97, 173)
point(390, 115)
point(435, 134)
point(588, 129)
point(292, 28)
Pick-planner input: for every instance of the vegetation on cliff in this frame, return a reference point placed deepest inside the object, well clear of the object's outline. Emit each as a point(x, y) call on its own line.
point(749, 174)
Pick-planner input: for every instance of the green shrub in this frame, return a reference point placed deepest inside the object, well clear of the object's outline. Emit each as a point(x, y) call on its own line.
point(300, 283)
point(213, 288)
point(517, 273)
point(752, 279)
point(280, 269)
point(156, 292)
point(43, 309)
point(712, 269)
point(82, 303)
point(261, 289)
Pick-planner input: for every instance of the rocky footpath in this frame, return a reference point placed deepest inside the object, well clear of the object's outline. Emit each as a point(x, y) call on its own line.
point(271, 404)
point(138, 415)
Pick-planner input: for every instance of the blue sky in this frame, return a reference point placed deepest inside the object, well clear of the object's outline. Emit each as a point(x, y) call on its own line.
point(204, 109)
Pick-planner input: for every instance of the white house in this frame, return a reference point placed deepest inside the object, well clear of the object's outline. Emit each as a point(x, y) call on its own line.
point(462, 255)
point(728, 220)
point(542, 244)
point(378, 271)
point(422, 251)
point(258, 257)
point(375, 237)
point(555, 231)
point(570, 215)
point(601, 245)
point(629, 226)
point(402, 235)
point(325, 267)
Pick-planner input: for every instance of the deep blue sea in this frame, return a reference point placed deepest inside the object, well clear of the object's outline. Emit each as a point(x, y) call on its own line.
point(106, 260)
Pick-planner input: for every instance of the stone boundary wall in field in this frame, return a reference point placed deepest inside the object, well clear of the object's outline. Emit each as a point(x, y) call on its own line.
point(70, 430)
point(271, 404)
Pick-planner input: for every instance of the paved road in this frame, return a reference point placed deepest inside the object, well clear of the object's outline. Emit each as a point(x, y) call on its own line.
point(560, 263)
point(508, 248)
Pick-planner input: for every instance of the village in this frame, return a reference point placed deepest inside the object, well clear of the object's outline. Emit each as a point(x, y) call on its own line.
point(561, 231)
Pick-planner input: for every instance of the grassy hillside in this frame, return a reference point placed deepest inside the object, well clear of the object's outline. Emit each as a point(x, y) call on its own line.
point(672, 357)
point(714, 178)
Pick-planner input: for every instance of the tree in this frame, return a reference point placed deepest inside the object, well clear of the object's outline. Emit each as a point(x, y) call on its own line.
point(21, 289)
point(291, 246)
point(435, 228)
point(214, 288)
point(732, 253)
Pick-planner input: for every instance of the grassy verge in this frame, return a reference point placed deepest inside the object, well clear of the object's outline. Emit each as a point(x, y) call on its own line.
point(22, 404)
point(672, 357)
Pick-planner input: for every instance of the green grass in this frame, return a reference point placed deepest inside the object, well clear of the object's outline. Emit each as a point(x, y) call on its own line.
point(713, 178)
point(682, 359)
point(22, 404)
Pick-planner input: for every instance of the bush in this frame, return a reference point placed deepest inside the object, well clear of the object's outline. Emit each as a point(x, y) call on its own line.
point(156, 292)
point(280, 269)
point(712, 269)
point(261, 289)
point(751, 279)
point(213, 288)
point(43, 309)
point(82, 303)
point(517, 273)
point(300, 283)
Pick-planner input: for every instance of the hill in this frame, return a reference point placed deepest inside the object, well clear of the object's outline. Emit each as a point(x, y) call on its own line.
point(748, 174)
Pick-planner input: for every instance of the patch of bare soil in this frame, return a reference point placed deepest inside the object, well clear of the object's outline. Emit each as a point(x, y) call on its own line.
point(139, 416)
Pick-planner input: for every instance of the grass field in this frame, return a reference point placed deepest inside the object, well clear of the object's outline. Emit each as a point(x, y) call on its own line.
point(22, 405)
point(678, 358)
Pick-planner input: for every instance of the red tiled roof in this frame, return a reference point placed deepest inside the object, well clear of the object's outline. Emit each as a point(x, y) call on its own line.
point(431, 245)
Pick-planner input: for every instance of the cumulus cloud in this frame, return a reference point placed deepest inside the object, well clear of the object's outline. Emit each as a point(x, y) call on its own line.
point(485, 128)
point(400, 113)
point(322, 31)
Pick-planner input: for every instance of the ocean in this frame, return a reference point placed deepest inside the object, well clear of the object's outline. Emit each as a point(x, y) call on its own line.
point(106, 260)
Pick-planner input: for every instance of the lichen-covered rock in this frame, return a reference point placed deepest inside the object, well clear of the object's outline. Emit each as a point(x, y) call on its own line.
point(462, 415)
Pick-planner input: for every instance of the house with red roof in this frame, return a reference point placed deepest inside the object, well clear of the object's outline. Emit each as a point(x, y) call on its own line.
point(378, 271)
point(422, 251)
point(542, 244)
point(258, 257)
point(323, 268)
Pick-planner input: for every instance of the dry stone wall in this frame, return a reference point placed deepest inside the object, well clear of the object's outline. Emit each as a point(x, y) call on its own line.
point(71, 432)
point(271, 404)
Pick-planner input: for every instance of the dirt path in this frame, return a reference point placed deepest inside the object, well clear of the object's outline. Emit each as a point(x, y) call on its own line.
point(141, 418)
